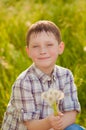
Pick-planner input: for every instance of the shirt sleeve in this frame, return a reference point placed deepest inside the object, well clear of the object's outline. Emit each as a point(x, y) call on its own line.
point(23, 102)
point(70, 101)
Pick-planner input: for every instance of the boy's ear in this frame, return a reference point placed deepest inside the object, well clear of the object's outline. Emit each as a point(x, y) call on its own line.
point(61, 48)
point(27, 50)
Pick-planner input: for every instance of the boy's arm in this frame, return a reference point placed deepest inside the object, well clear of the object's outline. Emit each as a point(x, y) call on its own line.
point(69, 118)
point(56, 122)
point(42, 124)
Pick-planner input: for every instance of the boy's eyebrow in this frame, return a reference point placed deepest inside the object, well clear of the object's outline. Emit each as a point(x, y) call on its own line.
point(38, 43)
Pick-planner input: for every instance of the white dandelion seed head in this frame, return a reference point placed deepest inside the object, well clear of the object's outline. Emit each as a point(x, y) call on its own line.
point(52, 95)
point(50, 91)
point(50, 99)
point(57, 94)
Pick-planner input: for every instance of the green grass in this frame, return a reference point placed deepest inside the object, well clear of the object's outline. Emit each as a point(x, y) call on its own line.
point(16, 17)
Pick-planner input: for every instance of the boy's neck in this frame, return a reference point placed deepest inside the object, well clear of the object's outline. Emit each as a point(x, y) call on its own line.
point(47, 71)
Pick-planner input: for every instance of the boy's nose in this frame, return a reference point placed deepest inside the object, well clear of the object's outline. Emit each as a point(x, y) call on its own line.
point(42, 50)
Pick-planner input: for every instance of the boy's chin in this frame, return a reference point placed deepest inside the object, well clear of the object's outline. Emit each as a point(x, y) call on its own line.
point(45, 66)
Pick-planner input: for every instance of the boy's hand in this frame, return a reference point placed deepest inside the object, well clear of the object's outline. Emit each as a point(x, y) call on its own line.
point(62, 120)
point(56, 121)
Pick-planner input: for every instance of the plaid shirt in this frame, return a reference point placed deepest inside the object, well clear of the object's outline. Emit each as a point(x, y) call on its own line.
point(26, 103)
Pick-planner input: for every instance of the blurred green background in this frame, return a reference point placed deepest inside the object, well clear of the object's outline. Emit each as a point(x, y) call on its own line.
point(15, 18)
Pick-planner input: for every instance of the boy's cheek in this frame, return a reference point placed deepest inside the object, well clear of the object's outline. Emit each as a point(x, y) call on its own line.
point(54, 53)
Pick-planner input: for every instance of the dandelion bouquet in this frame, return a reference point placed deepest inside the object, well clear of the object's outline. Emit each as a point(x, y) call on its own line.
point(53, 96)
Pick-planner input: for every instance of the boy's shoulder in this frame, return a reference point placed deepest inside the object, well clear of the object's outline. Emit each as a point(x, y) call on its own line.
point(62, 70)
point(26, 73)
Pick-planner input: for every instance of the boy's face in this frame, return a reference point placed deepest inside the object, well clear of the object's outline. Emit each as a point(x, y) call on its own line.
point(44, 49)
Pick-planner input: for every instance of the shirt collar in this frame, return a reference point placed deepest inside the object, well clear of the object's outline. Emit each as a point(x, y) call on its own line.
point(44, 77)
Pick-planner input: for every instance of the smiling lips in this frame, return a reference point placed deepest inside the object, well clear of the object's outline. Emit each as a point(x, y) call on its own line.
point(43, 58)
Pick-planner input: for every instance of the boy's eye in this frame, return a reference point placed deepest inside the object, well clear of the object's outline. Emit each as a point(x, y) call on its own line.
point(50, 45)
point(35, 46)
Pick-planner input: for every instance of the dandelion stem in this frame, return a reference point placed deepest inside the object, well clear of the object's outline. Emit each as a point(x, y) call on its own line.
point(55, 108)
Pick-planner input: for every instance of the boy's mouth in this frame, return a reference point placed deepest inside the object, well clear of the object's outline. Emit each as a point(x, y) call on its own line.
point(44, 58)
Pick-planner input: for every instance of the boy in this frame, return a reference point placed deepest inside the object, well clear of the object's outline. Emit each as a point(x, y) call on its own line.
point(26, 111)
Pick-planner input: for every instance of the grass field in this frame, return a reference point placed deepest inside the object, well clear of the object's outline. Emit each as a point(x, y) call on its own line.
point(16, 17)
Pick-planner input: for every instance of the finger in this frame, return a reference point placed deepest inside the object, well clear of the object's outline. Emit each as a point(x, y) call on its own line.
point(57, 124)
point(60, 114)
